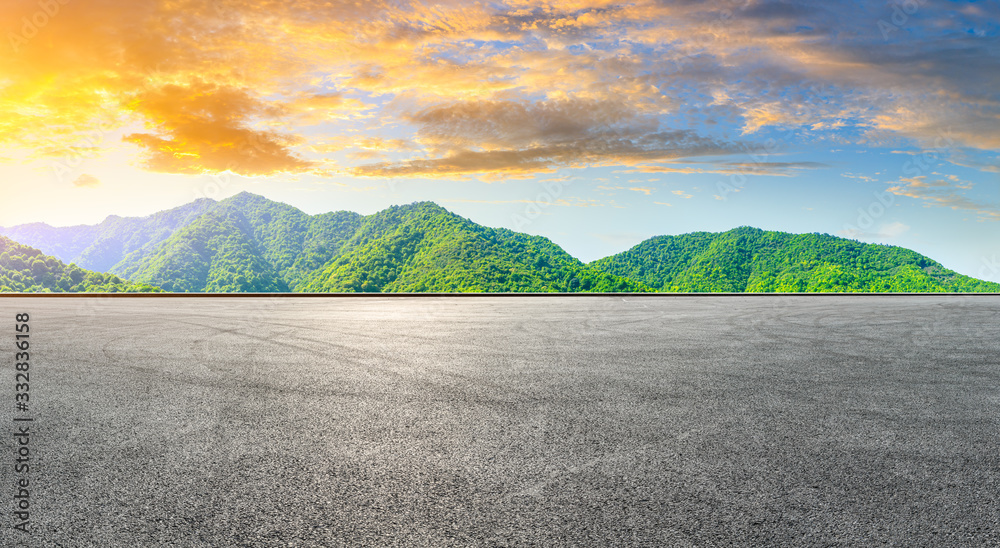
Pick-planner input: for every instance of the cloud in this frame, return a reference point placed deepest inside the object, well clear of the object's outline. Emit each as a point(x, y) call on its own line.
point(892, 230)
point(774, 169)
point(866, 178)
point(206, 129)
point(587, 146)
point(944, 193)
point(86, 181)
point(317, 107)
point(496, 89)
point(510, 124)
point(526, 137)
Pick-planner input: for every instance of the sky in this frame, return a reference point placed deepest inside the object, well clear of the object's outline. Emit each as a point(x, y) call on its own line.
point(595, 123)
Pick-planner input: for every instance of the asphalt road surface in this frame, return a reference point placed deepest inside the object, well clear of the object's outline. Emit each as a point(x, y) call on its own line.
point(637, 421)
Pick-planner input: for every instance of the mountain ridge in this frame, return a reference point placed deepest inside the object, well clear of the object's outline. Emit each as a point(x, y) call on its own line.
point(248, 243)
point(773, 261)
point(101, 246)
point(422, 247)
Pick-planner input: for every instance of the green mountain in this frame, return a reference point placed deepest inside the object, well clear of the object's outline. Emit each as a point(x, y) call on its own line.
point(422, 247)
point(99, 247)
point(294, 243)
point(248, 243)
point(25, 269)
point(243, 244)
point(748, 259)
point(215, 253)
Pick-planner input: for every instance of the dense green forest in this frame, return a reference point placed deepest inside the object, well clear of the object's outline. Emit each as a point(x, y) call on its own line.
point(423, 247)
point(293, 243)
point(216, 253)
point(748, 259)
point(248, 243)
point(245, 244)
point(25, 269)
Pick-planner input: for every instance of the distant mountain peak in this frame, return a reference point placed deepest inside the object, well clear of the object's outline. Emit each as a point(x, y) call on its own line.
point(245, 196)
point(424, 205)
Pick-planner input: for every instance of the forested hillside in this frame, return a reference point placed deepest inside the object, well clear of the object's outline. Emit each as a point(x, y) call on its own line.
point(423, 247)
point(216, 253)
point(247, 243)
point(294, 243)
point(748, 259)
point(25, 269)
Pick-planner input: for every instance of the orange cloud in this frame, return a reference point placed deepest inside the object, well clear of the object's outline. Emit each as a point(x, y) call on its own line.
point(316, 108)
point(206, 129)
point(85, 180)
point(478, 88)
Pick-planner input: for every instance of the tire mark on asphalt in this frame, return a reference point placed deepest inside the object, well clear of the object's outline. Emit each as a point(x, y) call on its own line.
point(229, 382)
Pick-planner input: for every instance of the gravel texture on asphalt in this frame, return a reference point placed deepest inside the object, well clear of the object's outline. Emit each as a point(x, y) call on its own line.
point(534, 421)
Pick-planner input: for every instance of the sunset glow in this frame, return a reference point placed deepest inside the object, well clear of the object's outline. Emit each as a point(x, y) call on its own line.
point(595, 123)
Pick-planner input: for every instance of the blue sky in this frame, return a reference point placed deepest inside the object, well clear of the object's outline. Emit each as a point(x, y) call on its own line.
point(593, 122)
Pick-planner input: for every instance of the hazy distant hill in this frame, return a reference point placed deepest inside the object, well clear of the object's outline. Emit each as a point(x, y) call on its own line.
point(64, 243)
point(99, 247)
point(753, 260)
point(25, 269)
